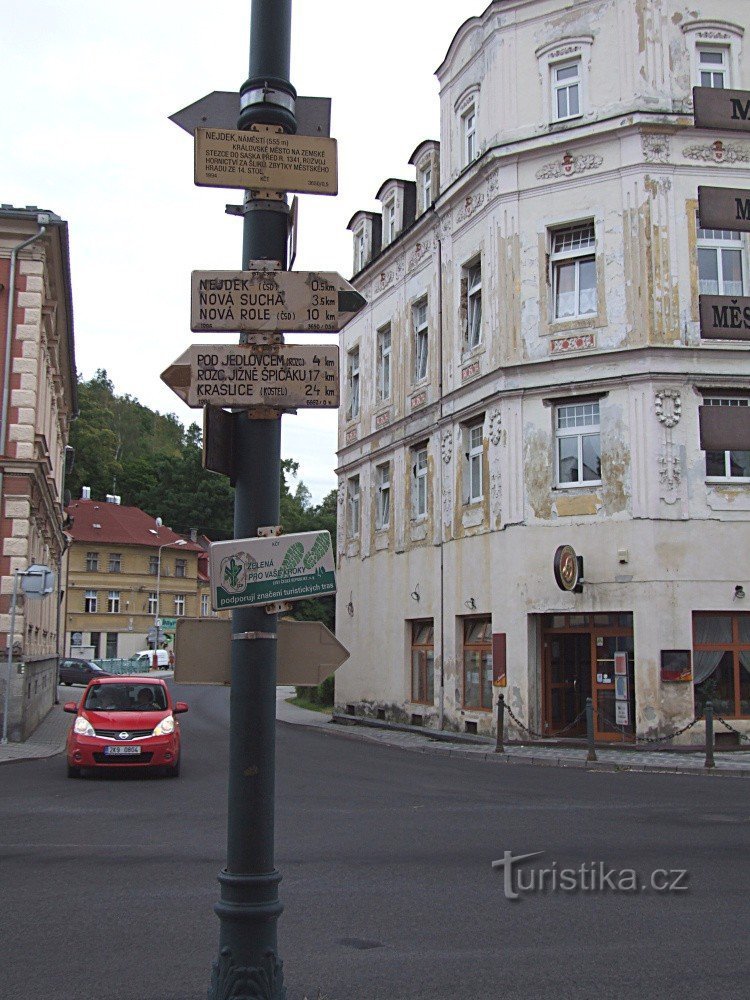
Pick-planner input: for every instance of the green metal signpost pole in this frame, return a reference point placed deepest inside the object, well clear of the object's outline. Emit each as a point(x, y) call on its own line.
point(248, 965)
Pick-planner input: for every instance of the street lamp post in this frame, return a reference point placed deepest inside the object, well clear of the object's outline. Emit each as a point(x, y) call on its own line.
point(179, 541)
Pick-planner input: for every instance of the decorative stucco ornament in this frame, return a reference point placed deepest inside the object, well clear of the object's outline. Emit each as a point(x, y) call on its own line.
point(446, 446)
point(495, 427)
point(656, 148)
point(568, 166)
point(718, 152)
point(668, 407)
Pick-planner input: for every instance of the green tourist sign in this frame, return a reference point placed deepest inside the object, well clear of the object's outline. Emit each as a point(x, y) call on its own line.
point(250, 571)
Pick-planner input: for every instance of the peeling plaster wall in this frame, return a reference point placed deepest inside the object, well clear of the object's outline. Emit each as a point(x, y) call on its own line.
point(635, 175)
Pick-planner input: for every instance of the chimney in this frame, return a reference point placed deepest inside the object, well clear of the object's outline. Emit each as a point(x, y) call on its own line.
point(86, 493)
point(113, 498)
point(193, 534)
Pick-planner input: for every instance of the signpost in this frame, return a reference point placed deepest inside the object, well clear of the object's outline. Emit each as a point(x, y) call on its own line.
point(265, 159)
point(724, 208)
point(728, 110)
point(269, 154)
point(268, 374)
point(262, 300)
point(307, 652)
point(251, 571)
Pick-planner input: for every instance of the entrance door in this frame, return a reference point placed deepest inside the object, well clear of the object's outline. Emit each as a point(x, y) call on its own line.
point(568, 673)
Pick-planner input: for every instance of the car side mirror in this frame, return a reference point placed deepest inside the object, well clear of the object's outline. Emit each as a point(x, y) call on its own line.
point(180, 706)
point(70, 706)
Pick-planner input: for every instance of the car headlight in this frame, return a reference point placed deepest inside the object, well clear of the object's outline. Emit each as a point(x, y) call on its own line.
point(83, 727)
point(165, 727)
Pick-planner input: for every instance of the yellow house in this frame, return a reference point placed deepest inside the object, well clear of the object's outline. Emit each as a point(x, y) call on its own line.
point(127, 575)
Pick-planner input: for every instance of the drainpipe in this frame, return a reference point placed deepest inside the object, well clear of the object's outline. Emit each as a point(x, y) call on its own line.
point(440, 465)
point(42, 220)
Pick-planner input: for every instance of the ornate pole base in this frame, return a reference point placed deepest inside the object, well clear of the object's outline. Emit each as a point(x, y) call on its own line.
point(244, 982)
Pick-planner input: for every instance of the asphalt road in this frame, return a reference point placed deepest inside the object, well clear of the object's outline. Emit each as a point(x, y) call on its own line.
point(107, 885)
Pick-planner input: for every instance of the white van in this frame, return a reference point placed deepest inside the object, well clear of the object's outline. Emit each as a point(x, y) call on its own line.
point(144, 660)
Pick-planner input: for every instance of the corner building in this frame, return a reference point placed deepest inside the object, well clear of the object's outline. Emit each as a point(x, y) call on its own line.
point(529, 373)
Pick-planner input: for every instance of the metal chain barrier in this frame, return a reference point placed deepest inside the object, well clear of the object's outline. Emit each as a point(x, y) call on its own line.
point(649, 739)
point(542, 736)
point(742, 736)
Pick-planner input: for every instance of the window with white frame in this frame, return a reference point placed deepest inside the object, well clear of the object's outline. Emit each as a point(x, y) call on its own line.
point(113, 602)
point(579, 451)
point(383, 498)
point(474, 441)
point(469, 133)
point(179, 605)
point(384, 362)
point(419, 482)
point(713, 67)
point(359, 249)
point(153, 603)
point(727, 464)
point(205, 610)
point(720, 270)
point(389, 221)
point(352, 378)
point(115, 562)
point(92, 562)
point(352, 505)
point(472, 279)
point(426, 187)
point(90, 602)
point(566, 89)
point(419, 322)
point(573, 261)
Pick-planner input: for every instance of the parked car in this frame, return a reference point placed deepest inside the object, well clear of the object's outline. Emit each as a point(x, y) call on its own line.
point(125, 722)
point(74, 671)
point(145, 659)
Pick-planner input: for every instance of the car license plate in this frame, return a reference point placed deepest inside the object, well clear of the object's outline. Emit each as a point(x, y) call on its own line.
point(122, 751)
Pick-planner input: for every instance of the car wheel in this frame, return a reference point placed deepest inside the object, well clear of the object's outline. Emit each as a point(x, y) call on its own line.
point(74, 772)
point(174, 772)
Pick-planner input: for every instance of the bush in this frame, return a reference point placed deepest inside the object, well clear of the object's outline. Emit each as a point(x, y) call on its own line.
point(320, 695)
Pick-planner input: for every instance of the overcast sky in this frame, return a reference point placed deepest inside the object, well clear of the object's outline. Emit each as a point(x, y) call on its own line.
point(89, 86)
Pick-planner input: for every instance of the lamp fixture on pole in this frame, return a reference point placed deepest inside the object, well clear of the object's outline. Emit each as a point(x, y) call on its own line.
point(157, 619)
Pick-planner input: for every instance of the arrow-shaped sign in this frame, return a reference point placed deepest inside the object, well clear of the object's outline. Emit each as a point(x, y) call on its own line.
point(240, 375)
point(275, 301)
point(307, 652)
point(221, 109)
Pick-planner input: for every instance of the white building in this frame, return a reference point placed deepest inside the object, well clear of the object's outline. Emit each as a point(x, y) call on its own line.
point(528, 374)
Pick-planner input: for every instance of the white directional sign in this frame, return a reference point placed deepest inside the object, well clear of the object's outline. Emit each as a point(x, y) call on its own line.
point(262, 159)
point(240, 375)
point(248, 571)
point(306, 652)
point(258, 301)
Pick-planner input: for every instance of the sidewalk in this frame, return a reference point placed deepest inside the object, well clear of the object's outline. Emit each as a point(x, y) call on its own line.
point(734, 764)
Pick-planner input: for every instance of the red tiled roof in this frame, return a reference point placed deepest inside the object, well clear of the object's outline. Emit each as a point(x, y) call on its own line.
point(111, 523)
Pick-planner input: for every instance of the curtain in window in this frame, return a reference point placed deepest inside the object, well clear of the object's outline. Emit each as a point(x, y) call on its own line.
point(708, 629)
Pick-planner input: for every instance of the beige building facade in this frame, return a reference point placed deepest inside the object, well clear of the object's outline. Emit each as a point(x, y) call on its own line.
point(529, 374)
point(37, 368)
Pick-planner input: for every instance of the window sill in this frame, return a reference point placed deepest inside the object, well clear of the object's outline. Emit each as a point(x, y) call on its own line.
point(562, 123)
point(727, 481)
point(589, 484)
point(571, 324)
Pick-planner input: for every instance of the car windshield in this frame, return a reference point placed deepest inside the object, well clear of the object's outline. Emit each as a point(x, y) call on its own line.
point(126, 698)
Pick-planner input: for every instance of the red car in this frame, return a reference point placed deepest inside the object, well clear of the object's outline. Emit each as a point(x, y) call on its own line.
point(125, 722)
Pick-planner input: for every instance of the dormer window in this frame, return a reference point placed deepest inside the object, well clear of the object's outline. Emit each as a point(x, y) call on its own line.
point(469, 133)
point(425, 187)
point(359, 249)
point(389, 221)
